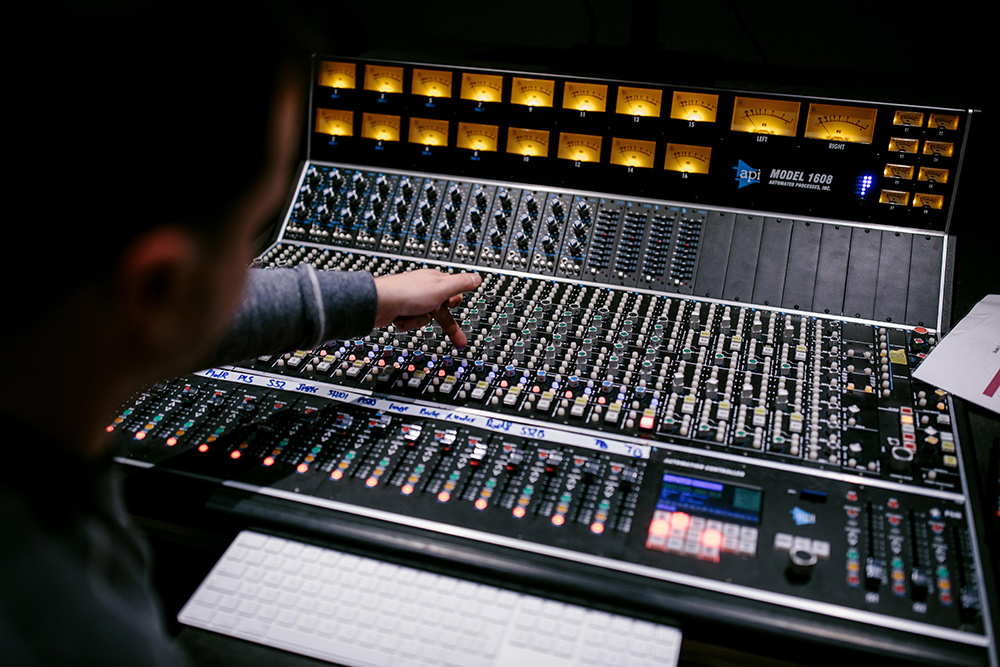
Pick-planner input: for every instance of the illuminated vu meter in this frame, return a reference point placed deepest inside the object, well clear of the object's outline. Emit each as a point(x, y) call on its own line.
point(527, 142)
point(431, 83)
point(337, 75)
point(585, 96)
point(697, 107)
point(757, 116)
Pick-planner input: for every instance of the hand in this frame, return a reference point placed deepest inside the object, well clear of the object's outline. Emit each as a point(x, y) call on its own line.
point(410, 300)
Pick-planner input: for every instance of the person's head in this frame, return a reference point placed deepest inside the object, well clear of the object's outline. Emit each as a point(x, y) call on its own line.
point(156, 140)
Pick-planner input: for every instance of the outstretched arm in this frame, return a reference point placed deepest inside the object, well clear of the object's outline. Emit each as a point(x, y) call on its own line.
point(286, 309)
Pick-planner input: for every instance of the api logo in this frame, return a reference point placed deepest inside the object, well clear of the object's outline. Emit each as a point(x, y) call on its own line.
point(802, 517)
point(746, 175)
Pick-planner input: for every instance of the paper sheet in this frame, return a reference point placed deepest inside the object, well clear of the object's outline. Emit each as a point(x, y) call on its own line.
point(966, 362)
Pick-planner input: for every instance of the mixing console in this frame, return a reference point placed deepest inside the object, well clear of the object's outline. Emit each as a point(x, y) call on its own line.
point(691, 394)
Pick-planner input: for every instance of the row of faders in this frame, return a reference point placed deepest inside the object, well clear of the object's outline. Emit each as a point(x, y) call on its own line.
point(797, 388)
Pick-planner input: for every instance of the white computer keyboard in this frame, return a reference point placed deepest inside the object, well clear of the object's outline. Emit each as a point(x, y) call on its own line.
point(365, 612)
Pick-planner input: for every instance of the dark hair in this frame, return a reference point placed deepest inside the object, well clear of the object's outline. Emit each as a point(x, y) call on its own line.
point(133, 113)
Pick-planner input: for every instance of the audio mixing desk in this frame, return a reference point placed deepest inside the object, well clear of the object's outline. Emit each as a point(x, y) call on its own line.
point(688, 392)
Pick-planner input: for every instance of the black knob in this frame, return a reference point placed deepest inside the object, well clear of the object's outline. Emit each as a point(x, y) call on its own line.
point(526, 223)
point(801, 563)
point(557, 208)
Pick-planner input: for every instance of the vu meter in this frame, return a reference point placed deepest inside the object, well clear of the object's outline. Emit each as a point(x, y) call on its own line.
point(481, 87)
point(527, 142)
point(900, 171)
point(382, 79)
point(688, 159)
point(943, 121)
point(532, 92)
point(632, 152)
point(757, 116)
point(335, 123)
point(337, 75)
point(639, 101)
point(921, 200)
point(832, 122)
point(933, 175)
point(585, 96)
point(428, 132)
point(894, 197)
point(380, 127)
point(908, 118)
point(431, 83)
point(903, 145)
point(579, 147)
point(697, 107)
point(477, 137)
point(941, 148)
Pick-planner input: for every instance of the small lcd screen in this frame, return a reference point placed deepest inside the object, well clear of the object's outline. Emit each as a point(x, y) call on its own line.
point(726, 502)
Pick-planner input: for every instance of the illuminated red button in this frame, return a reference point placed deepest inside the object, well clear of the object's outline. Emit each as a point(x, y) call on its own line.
point(680, 521)
point(937, 528)
point(852, 512)
point(920, 330)
point(852, 496)
point(659, 528)
point(893, 504)
point(711, 538)
point(894, 519)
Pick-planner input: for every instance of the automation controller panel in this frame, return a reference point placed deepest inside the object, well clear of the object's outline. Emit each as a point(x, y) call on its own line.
point(690, 358)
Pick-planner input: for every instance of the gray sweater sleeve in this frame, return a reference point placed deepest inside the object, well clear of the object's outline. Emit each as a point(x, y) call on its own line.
point(287, 309)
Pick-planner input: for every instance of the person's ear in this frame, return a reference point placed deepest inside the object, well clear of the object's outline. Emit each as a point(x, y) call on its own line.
point(157, 286)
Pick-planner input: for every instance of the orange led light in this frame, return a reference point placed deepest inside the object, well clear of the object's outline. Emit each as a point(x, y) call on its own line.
point(680, 520)
point(659, 528)
point(711, 538)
